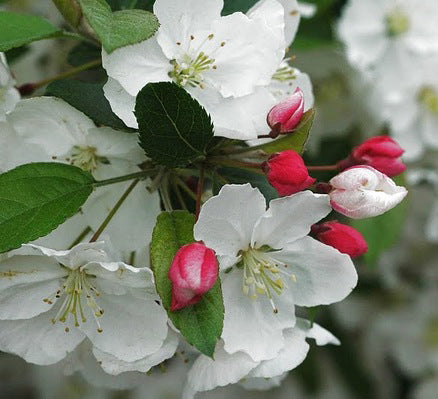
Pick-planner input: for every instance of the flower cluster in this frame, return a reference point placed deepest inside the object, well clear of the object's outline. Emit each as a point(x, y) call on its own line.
point(191, 225)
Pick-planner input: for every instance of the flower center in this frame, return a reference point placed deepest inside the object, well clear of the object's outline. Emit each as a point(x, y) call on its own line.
point(263, 275)
point(284, 74)
point(431, 334)
point(86, 158)
point(75, 290)
point(189, 69)
point(428, 97)
point(397, 22)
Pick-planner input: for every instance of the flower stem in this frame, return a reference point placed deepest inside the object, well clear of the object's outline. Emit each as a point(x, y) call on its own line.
point(185, 187)
point(199, 190)
point(80, 237)
point(237, 164)
point(137, 175)
point(29, 88)
point(114, 211)
point(322, 168)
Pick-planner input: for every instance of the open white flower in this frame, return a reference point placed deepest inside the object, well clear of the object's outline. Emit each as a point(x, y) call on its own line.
point(52, 300)
point(9, 95)
point(215, 58)
point(375, 29)
point(207, 374)
point(268, 264)
point(47, 129)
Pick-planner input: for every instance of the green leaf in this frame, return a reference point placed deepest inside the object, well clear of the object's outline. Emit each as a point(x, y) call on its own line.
point(231, 6)
point(174, 129)
point(296, 140)
point(19, 29)
point(382, 232)
point(36, 198)
point(83, 53)
point(88, 98)
point(120, 28)
point(202, 323)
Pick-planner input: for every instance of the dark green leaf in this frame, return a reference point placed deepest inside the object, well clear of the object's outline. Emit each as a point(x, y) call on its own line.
point(83, 53)
point(296, 140)
point(117, 5)
point(120, 28)
point(231, 6)
point(240, 176)
point(36, 198)
point(202, 323)
point(174, 129)
point(19, 29)
point(382, 232)
point(88, 98)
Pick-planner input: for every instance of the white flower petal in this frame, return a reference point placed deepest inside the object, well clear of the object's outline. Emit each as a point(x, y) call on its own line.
point(122, 103)
point(75, 257)
point(132, 328)
point(50, 123)
point(323, 275)
point(207, 374)
point(115, 366)
point(319, 334)
point(251, 326)
point(181, 20)
point(226, 221)
point(292, 354)
point(24, 282)
point(289, 219)
point(136, 65)
point(38, 340)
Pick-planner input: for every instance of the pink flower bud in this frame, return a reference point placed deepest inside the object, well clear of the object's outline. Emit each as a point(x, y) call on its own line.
point(342, 237)
point(362, 191)
point(286, 115)
point(193, 272)
point(380, 152)
point(287, 173)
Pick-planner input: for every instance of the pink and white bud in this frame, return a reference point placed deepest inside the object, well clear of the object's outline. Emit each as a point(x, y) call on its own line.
point(286, 115)
point(362, 192)
point(380, 152)
point(287, 173)
point(342, 237)
point(193, 272)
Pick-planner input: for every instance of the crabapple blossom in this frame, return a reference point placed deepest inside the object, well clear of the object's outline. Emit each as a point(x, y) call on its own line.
point(59, 298)
point(268, 264)
point(45, 129)
point(362, 192)
point(344, 238)
point(287, 173)
point(193, 272)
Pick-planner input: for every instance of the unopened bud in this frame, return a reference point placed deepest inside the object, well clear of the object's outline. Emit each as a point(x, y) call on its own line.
point(380, 152)
point(287, 173)
point(286, 115)
point(362, 192)
point(193, 272)
point(342, 237)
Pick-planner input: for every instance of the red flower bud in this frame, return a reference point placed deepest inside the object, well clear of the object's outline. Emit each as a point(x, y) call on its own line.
point(193, 272)
point(342, 237)
point(286, 115)
point(380, 152)
point(287, 173)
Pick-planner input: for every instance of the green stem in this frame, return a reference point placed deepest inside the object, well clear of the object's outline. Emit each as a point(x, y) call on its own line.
point(114, 211)
point(256, 167)
point(185, 187)
point(138, 175)
point(77, 36)
point(199, 190)
point(81, 237)
point(67, 74)
point(180, 197)
point(247, 149)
